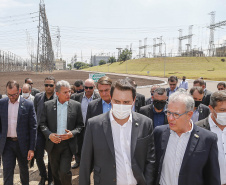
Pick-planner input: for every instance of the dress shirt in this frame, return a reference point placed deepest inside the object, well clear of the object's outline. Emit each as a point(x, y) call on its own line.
point(184, 85)
point(171, 92)
point(106, 106)
point(61, 117)
point(84, 106)
point(174, 157)
point(159, 117)
point(221, 144)
point(195, 116)
point(122, 145)
point(12, 118)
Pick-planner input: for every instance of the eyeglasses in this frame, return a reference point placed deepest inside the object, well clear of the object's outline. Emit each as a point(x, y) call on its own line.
point(88, 87)
point(12, 95)
point(172, 84)
point(175, 115)
point(50, 85)
point(30, 83)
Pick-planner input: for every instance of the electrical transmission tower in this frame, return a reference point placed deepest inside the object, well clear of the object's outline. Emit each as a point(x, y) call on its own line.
point(157, 45)
point(189, 37)
point(45, 54)
point(212, 29)
point(58, 44)
point(143, 47)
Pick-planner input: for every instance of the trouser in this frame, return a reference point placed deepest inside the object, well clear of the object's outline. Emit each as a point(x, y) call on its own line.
point(60, 161)
point(39, 156)
point(10, 154)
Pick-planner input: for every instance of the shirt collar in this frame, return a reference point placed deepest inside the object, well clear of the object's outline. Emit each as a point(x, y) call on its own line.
point(113, 120)
point(211, 122)
point(104, 102)
point(65, 103)
point(17, 101)
point(188, 132)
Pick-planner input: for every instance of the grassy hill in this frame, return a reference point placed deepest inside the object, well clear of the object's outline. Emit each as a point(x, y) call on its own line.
point(192, 67)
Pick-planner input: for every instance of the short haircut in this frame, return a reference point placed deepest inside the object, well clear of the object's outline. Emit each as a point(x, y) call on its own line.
point(221, 83)
point(50, 78)
point(218, 96)
point(26, 79)
point(199, 89)
point(104, 80)
point(62, 83)
point(199, 81)
point(12, 83)
point(28, 85)
point(160, 91)
point(182, 90)
point(131, 81)
point(78, 83)
point(123, 85)
point(172, 79)
point(183, 98)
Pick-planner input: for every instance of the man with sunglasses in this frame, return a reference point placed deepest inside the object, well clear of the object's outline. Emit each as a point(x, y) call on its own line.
point(34, 91)
point(84, 98)
point(155, 111)
point(185, 153)
point(40, 99)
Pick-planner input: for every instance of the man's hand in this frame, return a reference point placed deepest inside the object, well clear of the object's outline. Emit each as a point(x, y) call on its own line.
point(30, 155)
point(55, 138)
point(66, 136)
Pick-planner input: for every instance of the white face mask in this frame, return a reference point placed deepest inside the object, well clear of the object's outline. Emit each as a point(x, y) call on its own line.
point(221, 118)
point(121, 111)
point(25, 95)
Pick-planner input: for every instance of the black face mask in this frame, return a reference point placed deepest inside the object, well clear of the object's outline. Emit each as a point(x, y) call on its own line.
point(183, 79)
point(159, 104)
point(79, 91)
point(197, 103)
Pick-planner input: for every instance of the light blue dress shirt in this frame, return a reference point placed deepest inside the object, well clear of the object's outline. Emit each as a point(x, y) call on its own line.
point(171, 92)
point(61, 117)
point(106, 106)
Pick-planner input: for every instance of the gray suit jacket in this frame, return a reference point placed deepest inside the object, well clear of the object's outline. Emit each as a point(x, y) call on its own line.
point(39, 104)
point(95, 108)
point(78, 97)
point(48, 122)
point(204, 111)
point(204, 123)
point(206, 97)
point(98, 151)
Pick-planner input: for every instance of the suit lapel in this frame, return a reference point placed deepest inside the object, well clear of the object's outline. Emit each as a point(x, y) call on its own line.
point(99, 107)
point(134, 134)
point(69, 107)
point(165, 139)
point(5, 114)
point(108, 134)
point(20, 109)
point(54, 115)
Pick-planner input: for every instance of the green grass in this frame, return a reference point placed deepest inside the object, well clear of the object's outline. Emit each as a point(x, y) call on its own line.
point(211, 68)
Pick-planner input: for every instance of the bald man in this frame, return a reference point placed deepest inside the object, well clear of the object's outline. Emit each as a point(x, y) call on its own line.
point(26, 92)
point(84, 98)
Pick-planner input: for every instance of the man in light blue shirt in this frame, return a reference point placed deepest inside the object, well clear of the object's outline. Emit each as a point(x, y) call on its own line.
point(184, 83)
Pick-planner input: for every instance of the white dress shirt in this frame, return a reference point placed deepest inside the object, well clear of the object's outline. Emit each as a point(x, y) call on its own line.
point(174, 157)
point(221, 144)
point(122, 145)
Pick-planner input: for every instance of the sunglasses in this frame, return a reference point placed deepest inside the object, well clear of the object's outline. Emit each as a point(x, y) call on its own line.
point(50, 85)
point(88, 87)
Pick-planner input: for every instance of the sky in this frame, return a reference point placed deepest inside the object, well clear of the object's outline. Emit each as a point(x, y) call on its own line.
point(98, 27)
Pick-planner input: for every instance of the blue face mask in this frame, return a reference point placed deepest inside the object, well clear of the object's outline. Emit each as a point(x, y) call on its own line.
point(79, 91)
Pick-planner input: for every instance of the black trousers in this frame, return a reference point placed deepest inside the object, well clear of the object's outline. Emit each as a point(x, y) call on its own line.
point(10, 154)
point(60, 161)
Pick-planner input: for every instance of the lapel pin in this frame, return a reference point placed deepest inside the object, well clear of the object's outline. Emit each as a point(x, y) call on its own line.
point(137, 124)
point(196, 135)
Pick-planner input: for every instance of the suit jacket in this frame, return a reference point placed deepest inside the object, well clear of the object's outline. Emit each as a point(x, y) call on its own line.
point(26, 125)
point(148, 101)
point(34, 91)
point(206, 97)
point(39, 104)
point(147, 110)
point(48, 122)
point(95, 108)
point(98, 151)
point(204, 123)
point(139, 102)
point(200, 162)
point(78, 97)
point(204, 111)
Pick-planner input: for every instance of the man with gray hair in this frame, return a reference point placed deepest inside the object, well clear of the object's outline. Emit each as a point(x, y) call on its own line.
point(61, 121)
point(185, 154)
point(26, 92)
point(216, 122)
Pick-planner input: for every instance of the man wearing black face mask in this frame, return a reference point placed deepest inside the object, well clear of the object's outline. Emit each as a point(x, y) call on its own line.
point(200, 111)
point(155, 111)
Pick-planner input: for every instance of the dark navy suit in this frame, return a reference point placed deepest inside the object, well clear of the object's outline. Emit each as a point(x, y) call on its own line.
point(26, 134)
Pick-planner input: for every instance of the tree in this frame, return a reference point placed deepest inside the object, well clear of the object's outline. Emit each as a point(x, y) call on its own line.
point(69, 66)
point(111, 60)
point(81, 65)
point(125, 55)
point(101, 62)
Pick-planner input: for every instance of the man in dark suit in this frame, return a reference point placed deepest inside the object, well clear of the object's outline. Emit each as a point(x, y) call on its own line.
point(84, 98)
point(155, 111)
point(206, 98)
point(34, 91)
point(103, 104)
point(119, 144)
point(185, 154)
point(149, 101)
point(39, 101)
point(18, 130)
point(61, 121)
point(172, 80)
point(216, 123)
point(200, 111)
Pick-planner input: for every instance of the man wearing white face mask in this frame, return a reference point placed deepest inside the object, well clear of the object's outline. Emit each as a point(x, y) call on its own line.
point(26, 92)
point(119, 144)
point(216, 122)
